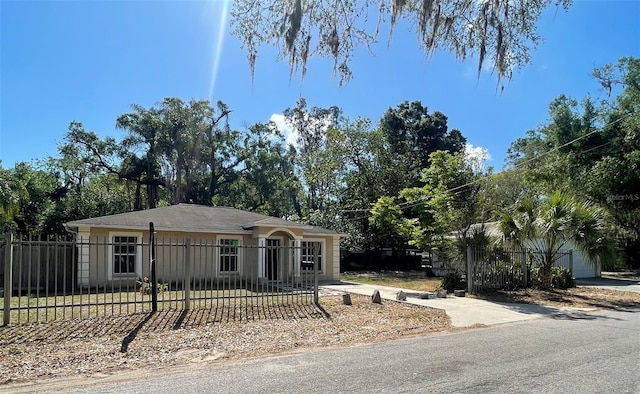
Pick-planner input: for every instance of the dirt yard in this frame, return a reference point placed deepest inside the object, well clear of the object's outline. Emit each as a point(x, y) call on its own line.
point(406, 280)
point(579, 297)
point(109, 345)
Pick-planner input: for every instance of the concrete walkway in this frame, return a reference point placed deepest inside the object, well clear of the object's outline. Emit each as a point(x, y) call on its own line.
point(463, 311)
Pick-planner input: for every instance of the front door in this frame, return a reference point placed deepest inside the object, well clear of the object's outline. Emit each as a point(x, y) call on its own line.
point(273, 258)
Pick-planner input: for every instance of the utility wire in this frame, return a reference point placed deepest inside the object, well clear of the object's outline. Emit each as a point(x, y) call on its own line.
point(407, 205)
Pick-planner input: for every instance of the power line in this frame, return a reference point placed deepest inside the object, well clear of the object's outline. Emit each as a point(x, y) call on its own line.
point(412, 204)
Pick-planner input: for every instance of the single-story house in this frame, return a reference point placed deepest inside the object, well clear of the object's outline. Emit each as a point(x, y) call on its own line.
point(225, 242)
point(580, 266)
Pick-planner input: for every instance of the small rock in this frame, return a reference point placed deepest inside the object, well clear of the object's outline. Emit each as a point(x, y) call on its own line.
point(442, 293)
point(346, 299)
point(375, 298)
point(401, 296)
point(459, 293)
point(428, 295)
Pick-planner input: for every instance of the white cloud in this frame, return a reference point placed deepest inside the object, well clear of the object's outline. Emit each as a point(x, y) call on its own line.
point(477, 157)
point(291, 134)
point(285, 128)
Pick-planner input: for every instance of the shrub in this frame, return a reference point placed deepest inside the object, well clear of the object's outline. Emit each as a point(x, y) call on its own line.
point(145, 286)
point(561, 278)
point(452, 281)
point(617, 264)
point(428, 271)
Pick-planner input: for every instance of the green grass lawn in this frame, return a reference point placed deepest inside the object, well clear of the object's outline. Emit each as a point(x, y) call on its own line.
point(411, 282)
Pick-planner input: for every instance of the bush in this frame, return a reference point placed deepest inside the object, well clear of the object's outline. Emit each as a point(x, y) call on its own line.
point(145, 286)
point(615, 265)
point(561, 278)
point(428, 271)
point(452, 281)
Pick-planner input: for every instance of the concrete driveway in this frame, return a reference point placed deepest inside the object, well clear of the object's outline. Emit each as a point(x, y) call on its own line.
point(463, 311)
point(611, 283)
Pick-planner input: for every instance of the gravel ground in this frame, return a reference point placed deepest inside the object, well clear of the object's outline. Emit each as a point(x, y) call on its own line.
point(579, 297)
point(109, 345)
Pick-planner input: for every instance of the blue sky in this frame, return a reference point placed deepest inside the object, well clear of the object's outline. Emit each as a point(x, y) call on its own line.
point(89, 61)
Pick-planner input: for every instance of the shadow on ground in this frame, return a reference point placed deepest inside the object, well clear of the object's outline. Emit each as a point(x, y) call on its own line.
point(617, 283)
point(577, 297)
point(558, 313)
point(130, 326)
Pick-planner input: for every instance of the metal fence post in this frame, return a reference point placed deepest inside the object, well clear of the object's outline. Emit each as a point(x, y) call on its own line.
point(571, 261)
point(187, 274)
point(524, 257)
point(316, 252)
point(8, 280)
point(469, 269)
point(152, 262)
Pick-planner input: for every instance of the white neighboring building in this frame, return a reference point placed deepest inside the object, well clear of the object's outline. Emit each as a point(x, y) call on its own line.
point(581, 268)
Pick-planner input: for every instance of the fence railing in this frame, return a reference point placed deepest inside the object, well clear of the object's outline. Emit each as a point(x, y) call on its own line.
point(46, 280)
point(494, 268)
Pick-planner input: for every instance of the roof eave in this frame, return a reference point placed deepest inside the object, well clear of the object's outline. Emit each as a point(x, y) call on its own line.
point(325, 234)
point(161, 228)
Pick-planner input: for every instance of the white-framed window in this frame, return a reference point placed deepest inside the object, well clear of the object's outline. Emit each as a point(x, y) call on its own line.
point(125, 255)
point(307, 252)
point(228, 255)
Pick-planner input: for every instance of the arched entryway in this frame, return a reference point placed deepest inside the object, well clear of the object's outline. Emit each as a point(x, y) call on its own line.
point(278, 254)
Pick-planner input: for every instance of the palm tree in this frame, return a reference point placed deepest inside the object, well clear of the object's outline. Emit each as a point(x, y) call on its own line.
point(12, 192)
point(546, 226)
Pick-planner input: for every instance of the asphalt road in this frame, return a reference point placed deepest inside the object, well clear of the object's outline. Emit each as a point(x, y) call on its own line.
point(619, 284)
point(597, 352)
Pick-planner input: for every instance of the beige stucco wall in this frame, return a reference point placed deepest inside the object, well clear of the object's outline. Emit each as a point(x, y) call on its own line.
point(204, 255)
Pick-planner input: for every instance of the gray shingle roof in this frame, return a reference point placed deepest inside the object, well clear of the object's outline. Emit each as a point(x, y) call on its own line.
point(195, 218)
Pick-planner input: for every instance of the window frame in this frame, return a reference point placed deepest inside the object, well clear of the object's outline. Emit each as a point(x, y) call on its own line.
point(322, 255)
point(111, 274)
point(219, 254)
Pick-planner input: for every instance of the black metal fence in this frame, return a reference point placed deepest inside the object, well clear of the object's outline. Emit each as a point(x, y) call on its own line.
point(494, 268)
point(56, 279)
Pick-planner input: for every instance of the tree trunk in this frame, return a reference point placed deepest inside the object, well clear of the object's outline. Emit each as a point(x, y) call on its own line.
point(152, 195)
point(137, 205)
point(545, 275)
point(178, 196)
point(296, 202)
point(545, 270)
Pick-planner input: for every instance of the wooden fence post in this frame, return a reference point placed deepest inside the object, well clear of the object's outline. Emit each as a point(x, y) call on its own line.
point(8, 280)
